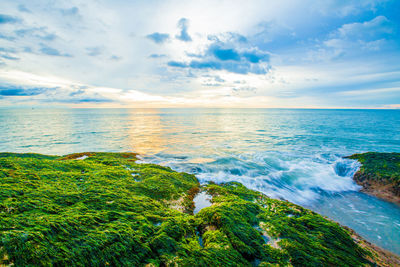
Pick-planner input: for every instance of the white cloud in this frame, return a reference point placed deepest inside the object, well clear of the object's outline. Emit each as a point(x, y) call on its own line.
point(345, 8)
point(369, 29)
point(354, 40)
point(366, 93)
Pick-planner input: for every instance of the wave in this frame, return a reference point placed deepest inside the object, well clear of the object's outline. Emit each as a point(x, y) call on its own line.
point(295, 177)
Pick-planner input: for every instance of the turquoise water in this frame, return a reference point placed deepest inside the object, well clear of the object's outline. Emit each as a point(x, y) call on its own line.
point(287, 154)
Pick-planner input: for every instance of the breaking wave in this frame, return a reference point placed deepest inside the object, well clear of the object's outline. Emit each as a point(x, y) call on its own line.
point(299, 179)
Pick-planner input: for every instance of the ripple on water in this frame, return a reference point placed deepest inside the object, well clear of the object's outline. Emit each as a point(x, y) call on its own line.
point(376, 220)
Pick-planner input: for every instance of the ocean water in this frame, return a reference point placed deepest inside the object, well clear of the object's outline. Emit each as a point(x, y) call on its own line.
point(285, 153)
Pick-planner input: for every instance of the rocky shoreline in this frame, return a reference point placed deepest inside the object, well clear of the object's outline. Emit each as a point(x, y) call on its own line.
point(379, 175)
point(97, 209)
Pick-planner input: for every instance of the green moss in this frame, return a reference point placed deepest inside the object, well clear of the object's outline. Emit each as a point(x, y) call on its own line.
point(380, 166)
point(65, 211)
point(379, 169)
point(295, 235)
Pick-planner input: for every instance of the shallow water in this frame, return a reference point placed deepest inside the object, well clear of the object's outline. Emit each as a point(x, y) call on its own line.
point(201, 201)
point(288, 154)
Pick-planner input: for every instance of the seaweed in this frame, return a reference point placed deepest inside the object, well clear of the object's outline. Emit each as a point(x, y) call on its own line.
point(106, 209)
point(379, 169)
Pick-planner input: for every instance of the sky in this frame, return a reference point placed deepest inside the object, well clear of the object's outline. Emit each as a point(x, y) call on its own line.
point(209, 53)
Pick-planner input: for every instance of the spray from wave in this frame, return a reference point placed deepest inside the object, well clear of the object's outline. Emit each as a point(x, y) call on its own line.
point(300, 179)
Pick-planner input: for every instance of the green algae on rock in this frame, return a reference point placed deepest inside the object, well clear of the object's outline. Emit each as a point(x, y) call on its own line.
point(99, 209)
point(379, 174)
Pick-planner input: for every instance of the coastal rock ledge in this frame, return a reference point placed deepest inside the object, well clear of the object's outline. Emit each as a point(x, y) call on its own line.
point(379, 175)
point(99, 209)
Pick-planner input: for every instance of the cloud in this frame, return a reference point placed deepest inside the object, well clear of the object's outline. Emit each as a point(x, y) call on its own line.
point(73, 11)
point(36, 32)
point(239, 82)
point(211, 84)
point(177, 64)
point(255, 56)
point(234, 67)
point(7, 56)
point(224, 54)
point(94, 51)
point(244, 91)
point(27, 49)
point(115, 58)
point(23, 8)
point(345, 8)
point(219, 79)
point(85, 100)
point(205, 65)
point(252, 55)
point(354, 39)
point(158, 38)
point(212, 80)
point(4, 19)
point(96, 100)
point(50, 90)
point(228, 37)
point(13, 90)
point(7, 50)
point(5, 53)
point(183, 25)
point(50, 51)
point(376, 28)
point(157, 56)
point(230, 54)
point(7, 37)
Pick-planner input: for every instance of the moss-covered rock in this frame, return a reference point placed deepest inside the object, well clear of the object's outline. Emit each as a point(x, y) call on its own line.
point(100, 209)
point(379, 174)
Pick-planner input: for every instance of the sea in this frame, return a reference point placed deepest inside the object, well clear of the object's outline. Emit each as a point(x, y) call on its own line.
point(291, 154)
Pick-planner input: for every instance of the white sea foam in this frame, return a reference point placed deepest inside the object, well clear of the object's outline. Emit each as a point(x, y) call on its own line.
point(297, 179)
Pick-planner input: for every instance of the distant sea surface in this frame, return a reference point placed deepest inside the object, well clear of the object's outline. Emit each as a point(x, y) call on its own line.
point(285, 153)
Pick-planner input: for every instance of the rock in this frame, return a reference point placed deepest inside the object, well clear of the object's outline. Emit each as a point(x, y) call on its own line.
point(379, 174)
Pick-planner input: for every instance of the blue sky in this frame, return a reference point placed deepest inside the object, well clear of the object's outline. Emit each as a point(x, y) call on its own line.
point(311, 54)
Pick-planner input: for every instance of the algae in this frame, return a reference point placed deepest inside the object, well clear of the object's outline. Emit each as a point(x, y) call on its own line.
point(379, 174)
point(94, 212)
